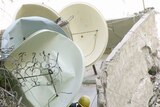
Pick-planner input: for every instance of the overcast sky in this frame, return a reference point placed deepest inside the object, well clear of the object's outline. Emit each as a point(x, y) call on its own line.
point(111, 9)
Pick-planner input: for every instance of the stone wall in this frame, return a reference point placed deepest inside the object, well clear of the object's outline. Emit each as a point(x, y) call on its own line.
point(124, 80)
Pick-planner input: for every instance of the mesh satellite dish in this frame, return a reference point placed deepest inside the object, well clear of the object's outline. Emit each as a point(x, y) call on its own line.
point(22, 28)
point(51, 72)
point(89, 30)
point(41, 10)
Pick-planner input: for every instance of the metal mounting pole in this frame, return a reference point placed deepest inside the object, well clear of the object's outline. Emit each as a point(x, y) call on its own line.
point(143, 5)
point(94, 69)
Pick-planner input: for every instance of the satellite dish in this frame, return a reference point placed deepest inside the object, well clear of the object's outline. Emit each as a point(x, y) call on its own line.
point(89, 30)
point(22, 28)
point(50, 72)
point(41, 10)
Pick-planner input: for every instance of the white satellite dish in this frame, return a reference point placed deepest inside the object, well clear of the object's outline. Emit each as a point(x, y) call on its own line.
point(89, 30)
point(22, 28)
point(48, 52)
point(41, 10)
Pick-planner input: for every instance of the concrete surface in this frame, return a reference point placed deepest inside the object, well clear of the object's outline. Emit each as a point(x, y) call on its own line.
point(124, 75)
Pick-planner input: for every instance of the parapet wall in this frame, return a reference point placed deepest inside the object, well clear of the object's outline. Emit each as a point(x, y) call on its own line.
point(124, 80)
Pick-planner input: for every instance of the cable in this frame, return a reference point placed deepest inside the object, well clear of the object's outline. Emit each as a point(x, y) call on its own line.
point(93, 99)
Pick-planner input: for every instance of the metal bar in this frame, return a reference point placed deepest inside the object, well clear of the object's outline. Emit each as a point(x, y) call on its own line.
point(36, 75)
point(143, 5)
point(85, 32)
point(94, 69)
point(53, 83)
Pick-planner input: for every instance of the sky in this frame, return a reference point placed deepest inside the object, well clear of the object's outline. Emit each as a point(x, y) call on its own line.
point(110, 9)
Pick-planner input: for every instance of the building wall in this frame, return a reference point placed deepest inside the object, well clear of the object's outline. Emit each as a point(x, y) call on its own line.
point(118, 28)
point(124, 80)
